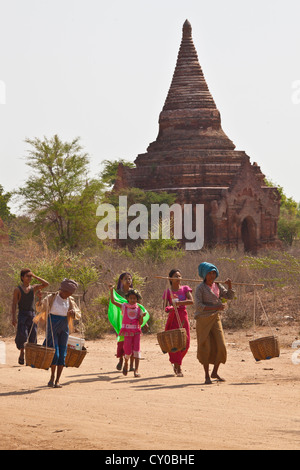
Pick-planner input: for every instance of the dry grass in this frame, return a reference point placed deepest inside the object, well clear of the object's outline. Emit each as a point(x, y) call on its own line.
point(279, 271)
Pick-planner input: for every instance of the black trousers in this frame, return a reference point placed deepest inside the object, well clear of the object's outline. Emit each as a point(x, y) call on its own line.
point(25, 322)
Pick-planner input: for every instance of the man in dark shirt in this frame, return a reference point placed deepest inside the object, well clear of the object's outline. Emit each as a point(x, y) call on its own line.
point(23, 297)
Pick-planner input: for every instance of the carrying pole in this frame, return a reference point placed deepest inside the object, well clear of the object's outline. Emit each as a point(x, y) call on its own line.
point(217, 282)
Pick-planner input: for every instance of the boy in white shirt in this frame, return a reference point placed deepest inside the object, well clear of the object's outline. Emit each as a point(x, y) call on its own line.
point(60, 309)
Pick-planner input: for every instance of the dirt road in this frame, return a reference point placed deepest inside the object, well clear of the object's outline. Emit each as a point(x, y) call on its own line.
point(98, 408)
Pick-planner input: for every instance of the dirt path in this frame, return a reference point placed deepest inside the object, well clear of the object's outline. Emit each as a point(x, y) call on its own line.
point(98, 408)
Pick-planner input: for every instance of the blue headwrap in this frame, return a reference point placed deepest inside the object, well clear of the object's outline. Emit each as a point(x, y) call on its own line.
point(205, 268)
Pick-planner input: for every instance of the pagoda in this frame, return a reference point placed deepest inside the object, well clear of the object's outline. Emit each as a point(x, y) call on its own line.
point(194, 158)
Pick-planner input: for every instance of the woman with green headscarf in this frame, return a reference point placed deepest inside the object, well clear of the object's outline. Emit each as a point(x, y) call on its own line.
point(210, 335)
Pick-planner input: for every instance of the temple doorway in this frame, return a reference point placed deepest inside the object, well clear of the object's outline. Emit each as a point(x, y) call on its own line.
point(248, 233)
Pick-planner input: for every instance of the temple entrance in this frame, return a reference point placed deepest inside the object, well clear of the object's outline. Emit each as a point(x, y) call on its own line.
point(248, 233)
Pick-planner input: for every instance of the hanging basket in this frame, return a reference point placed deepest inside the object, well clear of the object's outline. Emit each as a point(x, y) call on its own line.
point(172, 340)
point(38, 357)
point(75, 357)
point(265, 348)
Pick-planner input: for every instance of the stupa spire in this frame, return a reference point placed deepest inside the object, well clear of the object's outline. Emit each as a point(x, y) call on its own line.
point(188, 88)
point(187, 29)
point(190, 114)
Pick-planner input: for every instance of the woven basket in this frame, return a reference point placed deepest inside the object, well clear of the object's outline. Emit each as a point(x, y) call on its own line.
point(172, 340)
point(75, 357)
point(38, 357)
point(265, 348)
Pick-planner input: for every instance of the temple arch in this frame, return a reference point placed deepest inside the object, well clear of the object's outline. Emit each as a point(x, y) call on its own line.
point(248, 234)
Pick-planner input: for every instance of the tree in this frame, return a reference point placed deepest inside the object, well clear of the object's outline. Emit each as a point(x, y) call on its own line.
point(5, 198)
point(289, 218)
point(138, 196)
point(159, 249)
point(59, 196)
point(109, 173)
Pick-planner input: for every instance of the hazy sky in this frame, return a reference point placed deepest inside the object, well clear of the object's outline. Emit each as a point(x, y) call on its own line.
point(101, 70)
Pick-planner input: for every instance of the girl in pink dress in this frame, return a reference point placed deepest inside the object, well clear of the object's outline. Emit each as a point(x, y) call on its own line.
point(181, 296)
point(124, 284)
point(131, 327)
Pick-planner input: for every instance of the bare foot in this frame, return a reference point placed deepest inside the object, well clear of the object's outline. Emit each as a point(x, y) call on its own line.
point(21, 360)
point(216, 376)
point(177, 370)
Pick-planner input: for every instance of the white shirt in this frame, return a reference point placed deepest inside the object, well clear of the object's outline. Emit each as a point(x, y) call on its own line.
point(60, 306)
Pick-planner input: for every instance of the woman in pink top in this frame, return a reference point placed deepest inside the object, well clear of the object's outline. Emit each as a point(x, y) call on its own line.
point(181, 296)
point(131, 327)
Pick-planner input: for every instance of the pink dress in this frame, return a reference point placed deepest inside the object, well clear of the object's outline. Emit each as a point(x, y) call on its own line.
point(172, 322)
point(131, 330)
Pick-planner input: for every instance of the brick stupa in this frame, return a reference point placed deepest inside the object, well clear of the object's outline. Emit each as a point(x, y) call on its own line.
point(193, 158)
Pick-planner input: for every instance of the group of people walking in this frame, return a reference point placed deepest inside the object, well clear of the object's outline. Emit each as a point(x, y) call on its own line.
point(207, 304)
point(60, 309)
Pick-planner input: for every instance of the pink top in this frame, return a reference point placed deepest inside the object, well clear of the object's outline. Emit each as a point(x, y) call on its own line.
point(130, 323)
point(215, 289)
point(172, 321)
point(180, 294)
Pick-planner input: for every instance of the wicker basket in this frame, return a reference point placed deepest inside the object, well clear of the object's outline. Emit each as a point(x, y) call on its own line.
point(265, 348)
point(172, 340)
point(75, 357)
point(37, 356)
